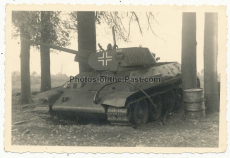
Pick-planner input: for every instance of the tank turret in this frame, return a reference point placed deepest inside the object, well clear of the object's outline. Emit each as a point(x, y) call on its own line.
point(111, 60)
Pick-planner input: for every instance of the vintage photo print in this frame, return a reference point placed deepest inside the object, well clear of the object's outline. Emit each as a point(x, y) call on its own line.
point(125, 78)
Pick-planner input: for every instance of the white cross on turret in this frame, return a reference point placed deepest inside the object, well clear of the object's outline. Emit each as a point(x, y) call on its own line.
point(104, 59)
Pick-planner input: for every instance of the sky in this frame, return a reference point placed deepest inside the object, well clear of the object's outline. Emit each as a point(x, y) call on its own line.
point(166, 45)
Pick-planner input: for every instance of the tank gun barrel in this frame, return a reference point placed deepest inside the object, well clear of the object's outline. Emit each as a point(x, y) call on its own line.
point(83, 55)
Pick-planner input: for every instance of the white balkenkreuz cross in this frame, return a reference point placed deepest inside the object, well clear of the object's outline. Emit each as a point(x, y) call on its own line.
point(104, 59)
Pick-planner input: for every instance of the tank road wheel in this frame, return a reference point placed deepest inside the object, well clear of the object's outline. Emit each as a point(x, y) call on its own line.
point(139, 113)
point(169, 102)
point(153, 114)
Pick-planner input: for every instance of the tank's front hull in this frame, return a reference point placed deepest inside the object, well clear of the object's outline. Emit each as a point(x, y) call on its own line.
point(77, 101)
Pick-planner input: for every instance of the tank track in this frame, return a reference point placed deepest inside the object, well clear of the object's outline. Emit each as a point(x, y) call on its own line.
point(120, 116)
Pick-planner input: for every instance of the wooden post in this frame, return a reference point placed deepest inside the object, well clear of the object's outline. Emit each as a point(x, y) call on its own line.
point(188, 59)
point(25, 97)
point(210, 62)
point(86, 35)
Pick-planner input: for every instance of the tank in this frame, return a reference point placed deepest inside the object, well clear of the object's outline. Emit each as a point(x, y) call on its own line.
point(127, 86)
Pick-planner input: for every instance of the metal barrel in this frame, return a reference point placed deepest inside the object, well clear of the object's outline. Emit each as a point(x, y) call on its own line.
point(194, 103)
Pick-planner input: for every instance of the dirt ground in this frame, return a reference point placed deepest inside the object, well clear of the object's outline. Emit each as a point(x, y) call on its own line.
point(29, 129)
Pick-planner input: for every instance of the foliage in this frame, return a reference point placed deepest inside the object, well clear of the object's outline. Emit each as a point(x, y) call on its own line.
point(30, 21)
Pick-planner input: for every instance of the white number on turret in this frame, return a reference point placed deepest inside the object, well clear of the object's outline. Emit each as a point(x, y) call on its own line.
point(137, 56)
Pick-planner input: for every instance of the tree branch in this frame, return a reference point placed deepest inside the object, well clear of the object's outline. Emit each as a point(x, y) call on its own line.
point(137, 21)
point(154, 18)
point(152, 29)
point(130, 23)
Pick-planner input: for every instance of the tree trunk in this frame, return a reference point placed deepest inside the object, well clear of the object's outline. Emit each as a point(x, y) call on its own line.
point(25, 97)
point(210, 62)
point(188, 59)
point(86, 35)
point(45, 52)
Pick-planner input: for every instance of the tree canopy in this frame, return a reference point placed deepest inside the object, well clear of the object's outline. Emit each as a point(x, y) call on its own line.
point(30, 21)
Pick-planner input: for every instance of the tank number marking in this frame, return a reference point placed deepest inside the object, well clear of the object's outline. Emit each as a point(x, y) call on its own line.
point(104, 59)
point(137, 56)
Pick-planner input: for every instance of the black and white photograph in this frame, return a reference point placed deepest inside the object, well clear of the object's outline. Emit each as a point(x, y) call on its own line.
point(104, 78)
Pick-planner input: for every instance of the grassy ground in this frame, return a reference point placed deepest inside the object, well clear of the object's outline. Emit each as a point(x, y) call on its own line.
point(177, 132)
